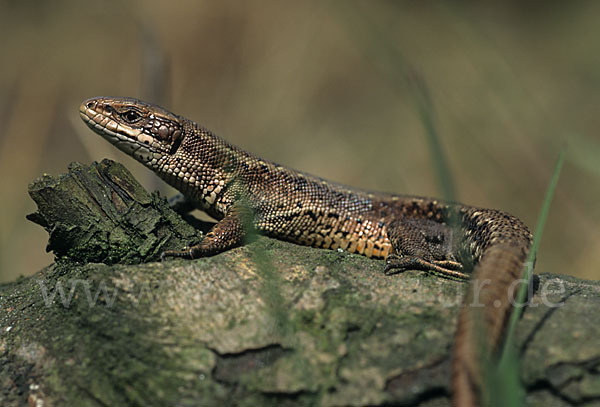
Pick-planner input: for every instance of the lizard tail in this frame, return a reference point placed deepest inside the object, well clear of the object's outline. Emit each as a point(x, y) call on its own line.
point(488, 302)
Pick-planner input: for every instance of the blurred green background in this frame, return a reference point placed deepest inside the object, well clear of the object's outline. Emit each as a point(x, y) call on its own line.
point(326, 87)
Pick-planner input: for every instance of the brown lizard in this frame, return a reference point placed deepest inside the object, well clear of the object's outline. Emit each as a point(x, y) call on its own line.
point(240, 189)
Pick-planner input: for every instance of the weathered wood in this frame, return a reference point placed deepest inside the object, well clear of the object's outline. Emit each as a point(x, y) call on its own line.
point(100, 213)
point(269, 323)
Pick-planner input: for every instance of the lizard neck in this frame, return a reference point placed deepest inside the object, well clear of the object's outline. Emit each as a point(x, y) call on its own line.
point(204, 168)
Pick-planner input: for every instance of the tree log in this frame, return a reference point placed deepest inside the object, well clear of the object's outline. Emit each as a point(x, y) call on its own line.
point(268, 323)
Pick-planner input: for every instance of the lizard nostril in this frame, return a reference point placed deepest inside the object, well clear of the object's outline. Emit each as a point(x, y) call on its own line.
point(89, 105)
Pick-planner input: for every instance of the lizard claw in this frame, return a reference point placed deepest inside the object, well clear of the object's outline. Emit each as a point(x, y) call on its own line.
point(393, 265)
point(186, 253)
point(396, 264)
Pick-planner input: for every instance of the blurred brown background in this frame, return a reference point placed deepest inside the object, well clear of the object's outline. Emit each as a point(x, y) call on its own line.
point(324, 87)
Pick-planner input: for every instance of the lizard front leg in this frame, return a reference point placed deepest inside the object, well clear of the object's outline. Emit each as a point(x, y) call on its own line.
point(229, 232)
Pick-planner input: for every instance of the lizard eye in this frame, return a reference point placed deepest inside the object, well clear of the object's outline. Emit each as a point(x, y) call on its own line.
point(131, 116)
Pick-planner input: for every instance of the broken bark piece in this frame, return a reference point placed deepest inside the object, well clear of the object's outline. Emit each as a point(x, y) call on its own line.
point(100, 213)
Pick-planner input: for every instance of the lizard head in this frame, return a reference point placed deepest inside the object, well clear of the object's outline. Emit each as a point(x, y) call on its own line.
point(146, 132)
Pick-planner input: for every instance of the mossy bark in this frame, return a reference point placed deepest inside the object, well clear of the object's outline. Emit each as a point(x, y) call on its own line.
point(100, 213)
point(269, 323)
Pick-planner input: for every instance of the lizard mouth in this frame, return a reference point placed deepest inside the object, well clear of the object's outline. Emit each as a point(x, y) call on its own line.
point(125, 139)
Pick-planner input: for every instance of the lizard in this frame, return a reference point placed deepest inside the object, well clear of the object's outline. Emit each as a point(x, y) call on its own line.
point(239, 189)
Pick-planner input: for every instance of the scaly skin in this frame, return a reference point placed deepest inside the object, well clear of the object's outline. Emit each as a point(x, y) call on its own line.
point(239, 189)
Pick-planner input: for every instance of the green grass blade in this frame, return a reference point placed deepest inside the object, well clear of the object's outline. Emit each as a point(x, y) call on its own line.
point(503, 386)
point(427, 114)
point(271, 281)
point(502, 383)
point(380, 48)
point(537, 238)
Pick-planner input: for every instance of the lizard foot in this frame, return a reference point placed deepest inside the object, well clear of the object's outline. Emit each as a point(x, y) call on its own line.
point(397, 264)
point(186, 253)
